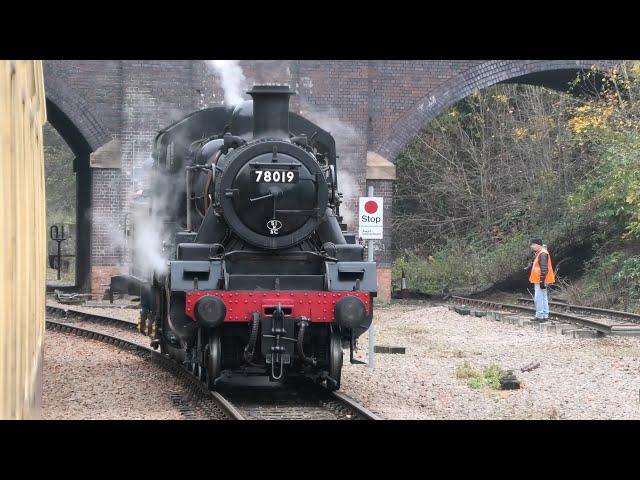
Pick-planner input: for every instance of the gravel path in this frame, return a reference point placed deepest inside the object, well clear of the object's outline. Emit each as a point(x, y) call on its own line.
point(577, 378)
point(86, 379)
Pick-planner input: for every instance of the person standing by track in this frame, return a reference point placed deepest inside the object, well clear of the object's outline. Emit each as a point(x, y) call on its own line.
point(541, 275)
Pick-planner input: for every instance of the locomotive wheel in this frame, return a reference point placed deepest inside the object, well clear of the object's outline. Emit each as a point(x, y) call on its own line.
point(200, 373)
point(335, 360)
point(142, 323)
point(214, 359)
point(200, 370)
point(163, 346)
point(191, 367)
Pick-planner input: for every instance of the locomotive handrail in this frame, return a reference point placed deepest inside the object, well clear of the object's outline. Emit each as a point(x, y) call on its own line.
point(279, 254)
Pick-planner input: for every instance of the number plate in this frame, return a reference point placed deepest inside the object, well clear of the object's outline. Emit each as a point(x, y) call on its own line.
point(262, 175)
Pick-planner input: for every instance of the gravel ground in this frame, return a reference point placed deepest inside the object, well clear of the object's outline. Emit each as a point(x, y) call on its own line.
point(577, 378)
point(86, 379)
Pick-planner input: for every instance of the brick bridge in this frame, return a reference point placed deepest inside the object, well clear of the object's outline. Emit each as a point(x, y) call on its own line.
point(109, 112)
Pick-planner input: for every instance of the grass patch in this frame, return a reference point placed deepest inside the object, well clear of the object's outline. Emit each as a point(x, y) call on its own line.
point(488, 377)
point(453, 354)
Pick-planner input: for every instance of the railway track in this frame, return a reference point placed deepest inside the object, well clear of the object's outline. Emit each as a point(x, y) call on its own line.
point(74, 314)
point(305, 403)
point(301, 402)
point(602, 324)
point(602, 312)
point(214, 403)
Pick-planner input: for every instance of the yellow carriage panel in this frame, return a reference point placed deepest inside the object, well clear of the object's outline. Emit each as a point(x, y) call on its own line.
point(22, 237)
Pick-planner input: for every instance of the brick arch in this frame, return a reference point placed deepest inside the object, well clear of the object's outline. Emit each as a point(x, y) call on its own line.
point(538, 72)
point(74, 117)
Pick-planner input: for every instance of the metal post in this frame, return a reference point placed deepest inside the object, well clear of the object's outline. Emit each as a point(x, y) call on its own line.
point(188, 198)
point(59, 260)
point(54, 234)
point(372, 332)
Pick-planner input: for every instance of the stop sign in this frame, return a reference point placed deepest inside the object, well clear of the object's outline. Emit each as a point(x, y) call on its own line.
point(370, 218)
point(370, 206)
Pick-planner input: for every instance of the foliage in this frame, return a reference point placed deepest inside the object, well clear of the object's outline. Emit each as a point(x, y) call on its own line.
point(492, 165)
point(489, 377)
point(60, 181)
point(610, 125)
point(462, 263)
point(514, 161)
point(612, 280)
point(60, 185)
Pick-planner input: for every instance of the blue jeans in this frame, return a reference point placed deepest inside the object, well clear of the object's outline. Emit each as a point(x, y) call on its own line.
point(542, 302)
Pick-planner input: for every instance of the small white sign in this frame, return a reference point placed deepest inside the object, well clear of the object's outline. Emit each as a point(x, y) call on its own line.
point(370, 218)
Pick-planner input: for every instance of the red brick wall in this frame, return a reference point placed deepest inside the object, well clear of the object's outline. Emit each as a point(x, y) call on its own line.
point(384, 283)
point(100, 276)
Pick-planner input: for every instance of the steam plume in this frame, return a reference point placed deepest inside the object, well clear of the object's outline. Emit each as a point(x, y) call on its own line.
point(345, 136)
point(232, 78)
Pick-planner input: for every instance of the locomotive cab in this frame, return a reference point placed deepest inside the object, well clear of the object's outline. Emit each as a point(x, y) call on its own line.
point(261, 280)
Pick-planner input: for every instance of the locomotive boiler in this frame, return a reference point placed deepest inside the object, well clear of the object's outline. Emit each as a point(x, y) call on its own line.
point(259, 278)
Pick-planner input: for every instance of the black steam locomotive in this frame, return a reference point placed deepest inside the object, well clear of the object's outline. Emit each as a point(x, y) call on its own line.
point(261, 279)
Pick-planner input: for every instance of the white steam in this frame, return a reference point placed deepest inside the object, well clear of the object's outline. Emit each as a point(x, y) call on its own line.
point(232, 79)
point(147, 243)
point(328, 120)
point(346, 136)
point(149, 217)
point(350, 191)
point(108, 232)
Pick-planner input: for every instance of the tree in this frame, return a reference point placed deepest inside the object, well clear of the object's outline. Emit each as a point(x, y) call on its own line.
point(60, 180)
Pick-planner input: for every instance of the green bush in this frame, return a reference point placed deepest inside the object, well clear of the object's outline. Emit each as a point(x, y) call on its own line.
point(611, 280)
point(464, 265)
point(489, 377)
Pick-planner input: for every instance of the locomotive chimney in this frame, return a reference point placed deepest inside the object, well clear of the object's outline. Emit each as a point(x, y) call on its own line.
point(271, 110)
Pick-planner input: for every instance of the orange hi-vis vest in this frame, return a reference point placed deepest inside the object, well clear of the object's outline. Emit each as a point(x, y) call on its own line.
point(535, 270)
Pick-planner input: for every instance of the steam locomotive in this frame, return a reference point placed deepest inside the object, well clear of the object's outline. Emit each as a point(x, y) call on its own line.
point(260, 279)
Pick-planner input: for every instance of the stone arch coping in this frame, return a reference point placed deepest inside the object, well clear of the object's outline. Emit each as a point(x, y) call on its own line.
point(78, 111)
point(379, 168)
point(463, 84)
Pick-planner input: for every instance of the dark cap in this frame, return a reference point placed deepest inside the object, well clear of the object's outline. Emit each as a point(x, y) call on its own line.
point(537, 241)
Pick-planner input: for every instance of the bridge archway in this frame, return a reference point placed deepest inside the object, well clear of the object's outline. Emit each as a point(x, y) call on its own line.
point(550, 73)
point(74, 120)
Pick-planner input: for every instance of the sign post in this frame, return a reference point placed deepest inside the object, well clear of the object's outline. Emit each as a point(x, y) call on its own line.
point(370, 220)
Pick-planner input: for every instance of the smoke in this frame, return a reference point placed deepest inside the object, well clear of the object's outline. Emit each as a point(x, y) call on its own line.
point(142, 247)
point(149, 210)
point(232, 79)
point(328, 120)
point(350, 191)
point(346, 136)
point(145, 216)
point(150, 216)
point(156, 200)
point(108, 233)
point(147, 245)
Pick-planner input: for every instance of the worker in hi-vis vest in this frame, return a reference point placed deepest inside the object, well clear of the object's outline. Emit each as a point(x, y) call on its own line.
point(541, 275)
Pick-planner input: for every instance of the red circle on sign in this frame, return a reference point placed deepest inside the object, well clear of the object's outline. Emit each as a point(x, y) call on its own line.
point(371, 207)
